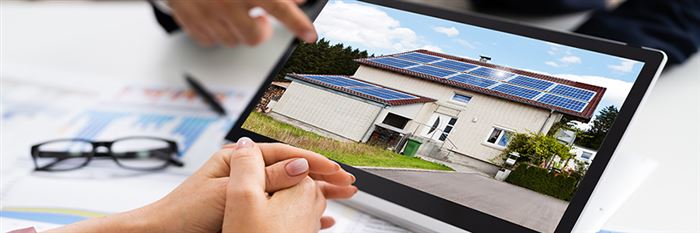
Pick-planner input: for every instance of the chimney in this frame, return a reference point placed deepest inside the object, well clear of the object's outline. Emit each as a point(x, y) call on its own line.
point(484, 59)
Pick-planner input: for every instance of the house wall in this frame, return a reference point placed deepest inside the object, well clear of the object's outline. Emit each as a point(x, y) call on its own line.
point(475, 119)
point(334, 112)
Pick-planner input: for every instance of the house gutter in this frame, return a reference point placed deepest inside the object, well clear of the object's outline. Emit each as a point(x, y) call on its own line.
point(546, 120)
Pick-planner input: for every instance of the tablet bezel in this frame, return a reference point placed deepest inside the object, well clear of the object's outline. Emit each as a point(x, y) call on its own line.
point(455, 214)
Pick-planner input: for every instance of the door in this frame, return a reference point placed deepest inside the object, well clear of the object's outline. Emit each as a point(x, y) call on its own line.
point(439, 127)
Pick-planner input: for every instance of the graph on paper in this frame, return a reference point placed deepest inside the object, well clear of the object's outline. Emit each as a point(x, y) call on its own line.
point(109, 125)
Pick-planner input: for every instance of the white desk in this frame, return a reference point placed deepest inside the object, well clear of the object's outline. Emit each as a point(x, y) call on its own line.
point(89, 40)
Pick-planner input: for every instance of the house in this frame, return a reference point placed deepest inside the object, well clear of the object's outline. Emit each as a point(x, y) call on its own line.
point(461, 109)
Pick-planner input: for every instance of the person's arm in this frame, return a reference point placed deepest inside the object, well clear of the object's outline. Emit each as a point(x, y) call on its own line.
point(540, 6)
point(671, 26)
point(258, 182)
point(229, 22)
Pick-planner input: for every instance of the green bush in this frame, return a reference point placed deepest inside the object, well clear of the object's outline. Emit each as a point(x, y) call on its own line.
point(538, 179)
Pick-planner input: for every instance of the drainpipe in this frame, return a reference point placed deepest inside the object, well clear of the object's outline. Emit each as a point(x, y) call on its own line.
point(546, 121)
point(371, 127)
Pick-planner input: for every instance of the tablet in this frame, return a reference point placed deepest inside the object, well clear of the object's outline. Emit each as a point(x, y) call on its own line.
point(486, 125)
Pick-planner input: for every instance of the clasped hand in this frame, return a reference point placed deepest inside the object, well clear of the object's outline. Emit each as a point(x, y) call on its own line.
point(244, 187)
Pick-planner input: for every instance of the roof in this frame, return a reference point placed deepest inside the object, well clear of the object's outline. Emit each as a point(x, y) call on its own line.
point(483, 82)
point(363, 89)
point(281, 84)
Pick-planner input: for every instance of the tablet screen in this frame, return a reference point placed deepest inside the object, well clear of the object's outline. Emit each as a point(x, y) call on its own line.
point(500, 123)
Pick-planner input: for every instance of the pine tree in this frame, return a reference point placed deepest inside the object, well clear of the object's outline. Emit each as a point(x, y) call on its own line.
point(593, 137)
point(322, 58)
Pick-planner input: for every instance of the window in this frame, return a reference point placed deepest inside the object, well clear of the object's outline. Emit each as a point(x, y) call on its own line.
point(499, 137)
point(448, 129)
point(462, 99)
point(395, 120)
point(586, 155)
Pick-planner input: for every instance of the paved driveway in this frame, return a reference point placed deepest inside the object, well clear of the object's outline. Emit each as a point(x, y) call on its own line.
point(513, 203)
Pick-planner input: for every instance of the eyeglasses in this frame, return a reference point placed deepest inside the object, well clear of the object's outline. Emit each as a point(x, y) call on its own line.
point(136, 153)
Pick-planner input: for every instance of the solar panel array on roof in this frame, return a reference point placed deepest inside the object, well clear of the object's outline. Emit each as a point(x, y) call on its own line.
point(431, 70)
point(555, 94)
point(338, 80)
point(419, 57)
point(491, 73)
point(516, 90)
point(473, 80)
point(359, 86)
point(398, 63)
point(454, 65)
point(531, 82)
point(562, 102)
point(384, 93)
point(572, 92)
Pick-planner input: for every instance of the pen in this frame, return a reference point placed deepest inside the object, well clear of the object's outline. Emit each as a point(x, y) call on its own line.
point(205, 94)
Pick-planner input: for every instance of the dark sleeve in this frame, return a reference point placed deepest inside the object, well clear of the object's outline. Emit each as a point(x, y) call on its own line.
point(538, 6)
point(166, 21)
point(669, 25)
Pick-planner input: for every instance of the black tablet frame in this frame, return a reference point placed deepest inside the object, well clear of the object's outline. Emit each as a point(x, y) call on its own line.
point(455, 214)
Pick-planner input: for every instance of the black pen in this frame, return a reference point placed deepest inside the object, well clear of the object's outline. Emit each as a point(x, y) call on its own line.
point(206, 95)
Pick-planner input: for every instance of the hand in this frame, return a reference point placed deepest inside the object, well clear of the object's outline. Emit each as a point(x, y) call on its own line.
point(249, 207)
point(199, 203)
point(228, 22)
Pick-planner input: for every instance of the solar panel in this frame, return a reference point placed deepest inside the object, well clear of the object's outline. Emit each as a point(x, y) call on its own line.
point(562, 102)
point(419, 57)
point(384, 93)
point(572, 92)
point(430, 70)
point(338, 80)
point(454, 65)
point(531, 82)
point(473, 80)
point(390, 61)
point(516, 91)
point(491, 73)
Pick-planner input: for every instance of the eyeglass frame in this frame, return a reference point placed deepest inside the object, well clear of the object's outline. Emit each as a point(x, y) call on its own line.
point(171, 160)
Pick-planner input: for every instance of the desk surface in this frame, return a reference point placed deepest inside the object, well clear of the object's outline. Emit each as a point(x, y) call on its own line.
point(89, 40)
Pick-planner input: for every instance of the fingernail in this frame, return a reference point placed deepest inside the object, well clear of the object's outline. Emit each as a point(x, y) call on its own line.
point(309, 37)
point(297, 167)
point(244, 142)
point(353, 177)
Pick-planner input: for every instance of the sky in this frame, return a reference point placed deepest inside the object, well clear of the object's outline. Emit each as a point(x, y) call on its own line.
point(381, 30)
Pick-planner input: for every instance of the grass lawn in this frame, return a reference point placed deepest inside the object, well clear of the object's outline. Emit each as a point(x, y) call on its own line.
point(352, 153)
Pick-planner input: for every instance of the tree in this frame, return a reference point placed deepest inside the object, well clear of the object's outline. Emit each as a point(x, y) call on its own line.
point(322, 58)
point(593, 137)
point(537, 149)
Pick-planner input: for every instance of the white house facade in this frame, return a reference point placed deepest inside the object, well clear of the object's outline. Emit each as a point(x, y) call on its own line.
point(445, 101)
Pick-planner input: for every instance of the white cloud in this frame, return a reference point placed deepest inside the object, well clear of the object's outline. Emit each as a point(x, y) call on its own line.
point(570, 59)
point(552, 63)
point(563, 56)
point(625, 66)
point(432, 48)
point(451, 31)
point(367, 26)
point(465, 43)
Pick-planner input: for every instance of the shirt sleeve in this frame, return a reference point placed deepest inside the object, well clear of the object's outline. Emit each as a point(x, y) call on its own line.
point(539, 6)
point(671, 26)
